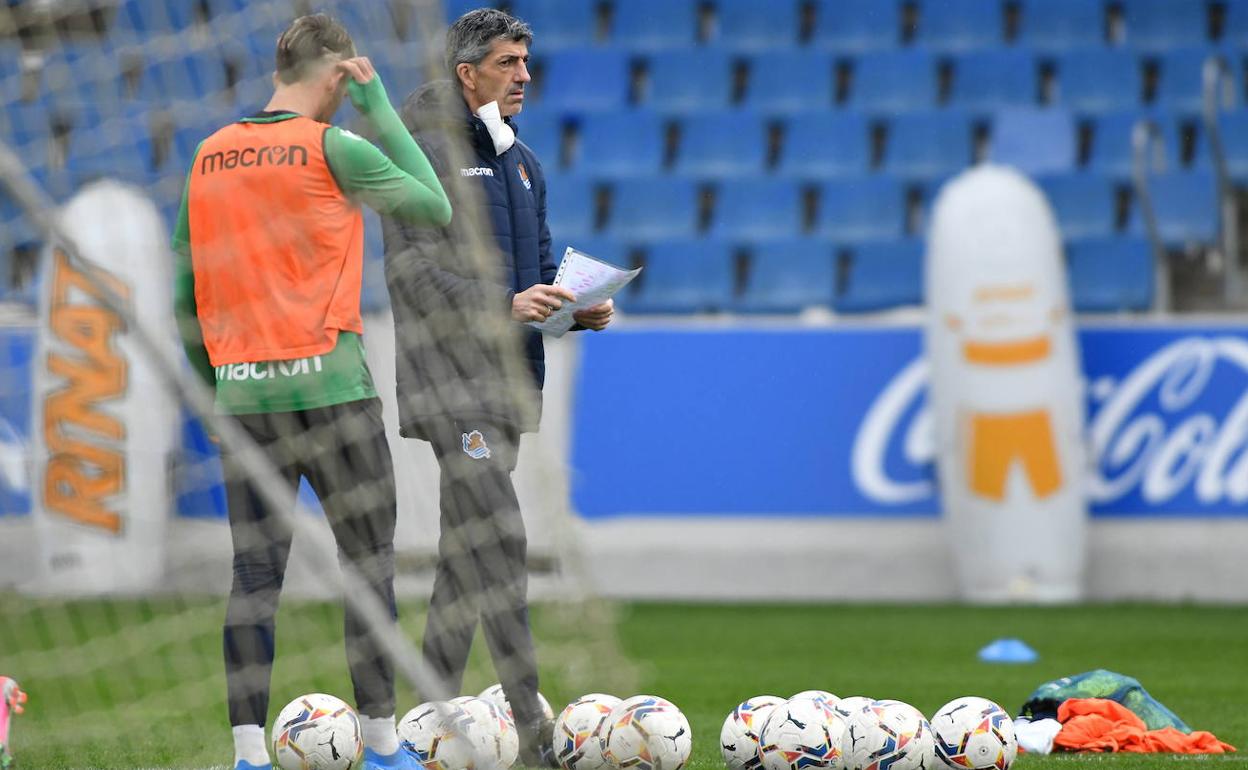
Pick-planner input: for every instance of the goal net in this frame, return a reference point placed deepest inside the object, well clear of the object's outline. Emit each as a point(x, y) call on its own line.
point(115, 548)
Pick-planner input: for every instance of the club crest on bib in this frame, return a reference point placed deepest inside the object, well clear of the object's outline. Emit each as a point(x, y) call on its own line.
point(524, 175)
point(475, 446)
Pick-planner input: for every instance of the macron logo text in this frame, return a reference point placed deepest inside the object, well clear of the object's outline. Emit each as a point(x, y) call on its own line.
point(478, 171)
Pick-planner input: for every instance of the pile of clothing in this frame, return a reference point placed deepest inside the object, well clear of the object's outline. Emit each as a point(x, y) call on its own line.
point(1101, 711)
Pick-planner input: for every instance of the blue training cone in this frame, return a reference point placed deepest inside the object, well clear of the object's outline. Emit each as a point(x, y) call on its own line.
point(1008, 651)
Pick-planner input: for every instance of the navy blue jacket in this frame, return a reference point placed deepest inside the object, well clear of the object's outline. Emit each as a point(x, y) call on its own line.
point(455, 342)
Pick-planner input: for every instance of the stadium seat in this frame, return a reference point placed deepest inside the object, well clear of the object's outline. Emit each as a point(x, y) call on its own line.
point(620, 144)
point(788, 276)
point(456, 8)
point(370, 24)
point(826, 144)
point(894, 81)
point(864, 209)
point(542, 131)
point(791, 81)
point(1111, 149)
point(990, 79)
point(960, 25)
point(1235, 24)
point(560, 23)
point(1083, 203)
point(1160, 25)
point(1034, 140)
point(1180, 86)
point(1186, 206)
point(571, 205)
point(1062, 25)
point(757, 209)
point(689, 80)
point(651, 25)
point(183, 78)
point(374, 297)
point(585, 79)
point(660, 207)
point(857, 26)
point(928, 145)
point(881, 275)
point(691, 276)
point(1100, 80)
point(722, 144)
point(25, 121)
point(748, 25)
point(1233, 130)
point(1110, 275)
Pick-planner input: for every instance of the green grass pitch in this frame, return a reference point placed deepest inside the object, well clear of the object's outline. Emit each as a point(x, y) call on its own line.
point(138, 684)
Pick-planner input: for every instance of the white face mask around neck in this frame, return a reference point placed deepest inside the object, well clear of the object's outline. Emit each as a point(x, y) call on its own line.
point(502, 134)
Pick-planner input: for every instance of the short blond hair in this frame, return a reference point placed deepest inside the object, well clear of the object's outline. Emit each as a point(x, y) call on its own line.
point(308, 41)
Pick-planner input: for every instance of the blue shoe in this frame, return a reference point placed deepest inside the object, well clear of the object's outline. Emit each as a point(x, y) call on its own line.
point(399, 760)
point(245, 765)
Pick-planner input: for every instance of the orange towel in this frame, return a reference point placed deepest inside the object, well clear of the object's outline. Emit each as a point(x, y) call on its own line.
point(1096, 724)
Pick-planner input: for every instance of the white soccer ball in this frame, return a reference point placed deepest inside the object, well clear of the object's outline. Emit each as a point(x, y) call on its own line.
point(974, 733)
point(442, 736)
point(848, 708)
point(800, 734)
point(578, 739)
point(317, 732)
point(494, 693)
point(890, 735)
point(500, 743)
point(738, 738)
point(649, 733)
point(823, 695)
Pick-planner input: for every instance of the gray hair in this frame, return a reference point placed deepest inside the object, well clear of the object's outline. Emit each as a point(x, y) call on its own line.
point(471, 37)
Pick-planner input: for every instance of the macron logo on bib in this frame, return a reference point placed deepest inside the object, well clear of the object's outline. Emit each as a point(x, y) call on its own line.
point(478, 171)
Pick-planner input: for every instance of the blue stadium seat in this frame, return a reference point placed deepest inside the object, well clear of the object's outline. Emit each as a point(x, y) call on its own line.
point(1180, 86)
point(789, 276)
point(651, 25)
point(991, 79)
point(791, 81)
point(571, 205)
point(928, 145)
point(685, 277)
point(1062, 25)
point(370, 24)
point(857, 26)
point(137, 19)
point(185, 78)
point(1159, 25)
point(1110, 275)
point(689, 80)
point(757, 209)
point(456, 8)
point(722, 144)
point(826, 144)
point(894, 81)
point(653, 209)
point(1083, 203)
point(374, 297)
point(585, 79)
point(880, 276)
point(621, 144)
point(960, 25)
point(542, 131)
point(1111, 149)
point(25, 121)
point(559, 23)
point(1233, 129)
point(864, 209)
point(1186, 206)
point(748, 25)
point(1100, 80)
point(1034, 140)
point(1235, 25)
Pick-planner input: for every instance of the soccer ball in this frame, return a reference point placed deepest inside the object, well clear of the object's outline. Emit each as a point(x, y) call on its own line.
point(648, 734)
point(500, 743)
point(317, 732)
point(738, 739)
point(823, 695)
point(848, 708)
point(974, 733)
point(801, 733)
point(494, 693)
point(890, 735)
point(442, 736)
point(578, 740)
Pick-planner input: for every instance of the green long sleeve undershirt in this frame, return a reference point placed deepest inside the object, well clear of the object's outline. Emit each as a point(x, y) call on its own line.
point(399, 181)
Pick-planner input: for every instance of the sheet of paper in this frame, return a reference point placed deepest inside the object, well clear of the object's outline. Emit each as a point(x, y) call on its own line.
point(591, 280)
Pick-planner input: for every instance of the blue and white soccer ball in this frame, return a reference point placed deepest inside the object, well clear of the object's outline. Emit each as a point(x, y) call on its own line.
point(317, 732)
point(577, 739)
point(801, 734)
point(646, 732)
point(442, 736)
point(974, 733)
point(494, 693)
point(500, 743)
point(822, 695)
point(738, 738)
point(890, 735)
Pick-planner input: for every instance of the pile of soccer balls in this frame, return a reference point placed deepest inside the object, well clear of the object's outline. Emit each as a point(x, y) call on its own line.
point(815, 729)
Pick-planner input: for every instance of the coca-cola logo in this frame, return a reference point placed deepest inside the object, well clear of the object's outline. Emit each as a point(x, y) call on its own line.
point(1174, 426)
